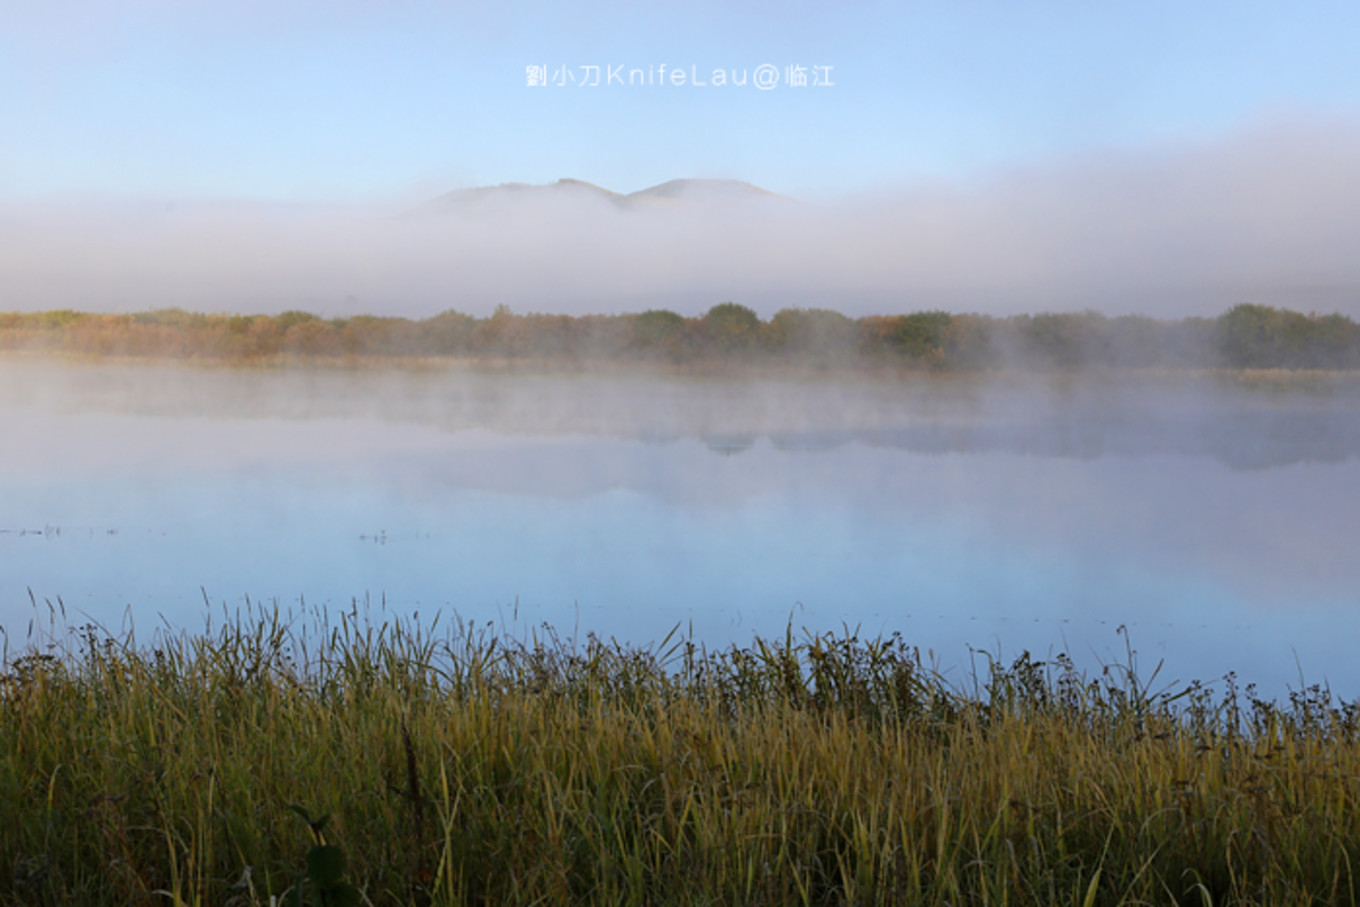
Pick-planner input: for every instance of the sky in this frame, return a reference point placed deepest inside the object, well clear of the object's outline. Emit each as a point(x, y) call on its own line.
point(1021, 123)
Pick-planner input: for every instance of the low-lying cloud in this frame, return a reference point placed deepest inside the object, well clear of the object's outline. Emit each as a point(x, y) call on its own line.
point(1270, 214)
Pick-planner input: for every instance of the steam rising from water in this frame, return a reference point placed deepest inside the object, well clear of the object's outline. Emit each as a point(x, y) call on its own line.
point(1269, 215)
point(1218, 525)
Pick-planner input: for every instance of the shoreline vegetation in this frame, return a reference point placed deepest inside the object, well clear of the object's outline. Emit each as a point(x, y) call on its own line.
point(728, 337)
point(410, 764)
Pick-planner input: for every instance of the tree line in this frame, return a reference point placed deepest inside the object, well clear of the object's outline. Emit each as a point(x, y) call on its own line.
point(1245, 336)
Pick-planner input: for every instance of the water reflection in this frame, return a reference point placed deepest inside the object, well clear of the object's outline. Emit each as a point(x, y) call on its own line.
point(1219, 528)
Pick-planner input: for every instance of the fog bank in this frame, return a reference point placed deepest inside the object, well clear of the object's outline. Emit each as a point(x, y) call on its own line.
point(1270, 214)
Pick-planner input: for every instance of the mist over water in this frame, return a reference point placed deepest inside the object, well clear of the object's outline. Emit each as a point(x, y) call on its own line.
point(1215, 523)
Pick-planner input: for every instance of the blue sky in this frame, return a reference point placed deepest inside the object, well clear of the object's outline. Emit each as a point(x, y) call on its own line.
point(365, 101)
point(1151, 157)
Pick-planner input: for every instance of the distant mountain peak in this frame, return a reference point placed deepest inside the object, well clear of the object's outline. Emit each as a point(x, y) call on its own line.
point(568, 182)
point(672, 192)
point(722, 188)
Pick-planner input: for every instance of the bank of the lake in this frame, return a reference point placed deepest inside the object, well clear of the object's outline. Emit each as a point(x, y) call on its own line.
point(1247, 336)
point(459, 766)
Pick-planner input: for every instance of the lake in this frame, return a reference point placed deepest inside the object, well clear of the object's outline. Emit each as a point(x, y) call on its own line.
point(1218, 525)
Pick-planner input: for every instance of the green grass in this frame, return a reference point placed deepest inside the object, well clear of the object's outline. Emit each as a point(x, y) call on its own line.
point(457, 765)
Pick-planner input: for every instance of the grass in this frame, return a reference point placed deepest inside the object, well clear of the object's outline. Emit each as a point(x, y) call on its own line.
point(458, 765)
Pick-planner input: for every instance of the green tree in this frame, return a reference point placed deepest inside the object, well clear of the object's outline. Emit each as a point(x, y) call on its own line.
point(811, 333)
point(448, 333)
point(1249, 336)
point(729, 326)
point(659, 331)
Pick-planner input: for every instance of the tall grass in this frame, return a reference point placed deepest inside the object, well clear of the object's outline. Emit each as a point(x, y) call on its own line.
point(461, 765)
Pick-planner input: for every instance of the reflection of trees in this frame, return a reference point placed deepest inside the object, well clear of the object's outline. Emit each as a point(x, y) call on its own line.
point(729, 445)
point(1239, 440)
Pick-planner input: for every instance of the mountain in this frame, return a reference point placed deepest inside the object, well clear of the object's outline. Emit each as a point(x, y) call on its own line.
point(460, 199)
point(671, 193)
point(702, 190)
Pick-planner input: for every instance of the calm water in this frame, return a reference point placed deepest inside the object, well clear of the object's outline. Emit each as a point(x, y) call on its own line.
point(1219, 526)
